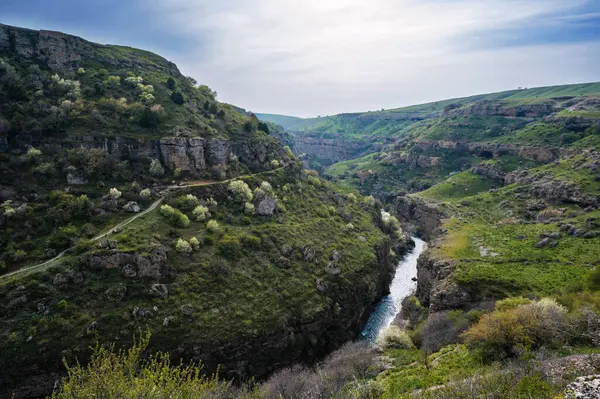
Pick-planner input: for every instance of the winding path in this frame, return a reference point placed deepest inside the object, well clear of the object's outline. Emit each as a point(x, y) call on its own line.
point(121, 225)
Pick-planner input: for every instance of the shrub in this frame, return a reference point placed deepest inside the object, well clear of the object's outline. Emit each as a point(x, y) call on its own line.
point(177, 98)
point(213, 226)
point(194, 243)
point(201, 213)
point(32, 154)
point(174, 216)
point(145, 193)
point(241, 191)
point(211, 203)
point(351, 197)
point(274, 164)
point(259, 194)
point(134, 80)
point(229, 247)
point(187, 202)
point(132, 374)
point(177, 173)
point(113, 81)
point(441, 329)
point(171, 83)
point(114, 193)
point(395, 338)
point(219, 267)
point(249, 208)
point(251, 241)
point(370, 200)
point(266, 187)
point(183, 246)
point(315, 181)
point(510, 332)
point(156, 168)
point(413, 311)
point(511, 303)
point(594, 279)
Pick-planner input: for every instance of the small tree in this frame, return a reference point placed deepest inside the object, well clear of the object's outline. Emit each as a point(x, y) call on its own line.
point(114, 193)
point(32, 154)
point(266, 187)
point(171, 83)
point(194, 243)
point(146, 193)
point(177, 98)
point(183, 246)
point(213, 226)
point(201, 213)
point(241, 191)
point(156, 168)
point(174, 216)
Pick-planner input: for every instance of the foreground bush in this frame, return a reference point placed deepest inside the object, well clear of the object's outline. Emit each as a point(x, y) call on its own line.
point(511, 332)
point(126, 374)
point(395, 338)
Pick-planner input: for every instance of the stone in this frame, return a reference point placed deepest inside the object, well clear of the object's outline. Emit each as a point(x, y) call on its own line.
point(187, 309)
point(132, 207)
point(587, 387)
point(76, 179)
point(138, 313)
point(129, 271)
point(267, 206)
point(322, 286)
point(286, 249)
point(578, 233)
point(336, 256)
point(168, 320)
point(308, 254)
point(591, 234)
point(553, 235)
point(283, 262)
point(60, 279)
point(521, 237)
point(116, 293)
point(333, 269)
point(17, 302)
point(159, 290)
point(543, 243)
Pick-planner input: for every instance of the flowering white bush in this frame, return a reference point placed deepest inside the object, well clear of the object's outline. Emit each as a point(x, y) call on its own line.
point(146, 88)
point(211, 203)
point(194, 243)
point(183, 246)
point(266, 187)
point(134, 80)
point(114, 193)
point(201, 213)
point(145, 193)
point(146, 98)
point(213, 226)
point(72, 86)
point(241, 191)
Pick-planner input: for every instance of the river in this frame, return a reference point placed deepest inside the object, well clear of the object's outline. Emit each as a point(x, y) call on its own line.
point(402, 286)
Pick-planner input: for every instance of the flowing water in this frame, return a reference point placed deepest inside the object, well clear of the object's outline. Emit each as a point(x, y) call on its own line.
point(402, 286)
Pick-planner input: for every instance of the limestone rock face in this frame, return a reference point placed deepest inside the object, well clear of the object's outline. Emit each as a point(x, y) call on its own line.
point(148, 265)
point(490, 171)
point(184, 154)
point(584, 388)
point(217, 152)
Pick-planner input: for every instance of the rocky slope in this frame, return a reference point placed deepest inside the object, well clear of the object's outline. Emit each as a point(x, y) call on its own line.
point(250, 275)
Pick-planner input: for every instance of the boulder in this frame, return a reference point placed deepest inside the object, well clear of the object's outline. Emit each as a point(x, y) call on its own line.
point(544, 243)
point(584, 388)
point(322, 286)
point(116, 293)
point(267, 206)
point(283, 262)
point(132, 207)
point(187, 309)
point(159, 291)
point(333, 269)
point(308, 253)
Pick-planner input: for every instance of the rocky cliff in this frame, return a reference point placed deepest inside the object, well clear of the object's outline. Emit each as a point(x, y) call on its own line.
point(63, 52)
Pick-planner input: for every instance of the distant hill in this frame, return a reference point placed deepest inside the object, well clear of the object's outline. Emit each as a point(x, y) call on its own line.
point(287, 122)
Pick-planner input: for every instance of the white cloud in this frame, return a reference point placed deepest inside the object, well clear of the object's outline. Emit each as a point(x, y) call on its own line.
point(308, 57)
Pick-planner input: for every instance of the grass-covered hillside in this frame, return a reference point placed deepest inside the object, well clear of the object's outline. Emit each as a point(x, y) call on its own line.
point(131, 199)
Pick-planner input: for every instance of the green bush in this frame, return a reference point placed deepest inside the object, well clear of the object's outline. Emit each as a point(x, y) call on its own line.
point(229, 247)
point(187, 202)
point(201, 213)
point(511, 303)
point(395, 338)
point(174, 216)
point(241, 191)
point(177, 98)
point(130, 374)
point(594, 279)
point(213, 226)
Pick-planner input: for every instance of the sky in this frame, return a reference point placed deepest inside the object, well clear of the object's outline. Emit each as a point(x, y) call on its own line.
point(323, 57)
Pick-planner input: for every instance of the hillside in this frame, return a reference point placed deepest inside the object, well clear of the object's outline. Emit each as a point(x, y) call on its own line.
point(132, 200)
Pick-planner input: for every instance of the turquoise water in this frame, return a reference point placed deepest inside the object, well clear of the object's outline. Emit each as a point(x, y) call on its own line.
point(402, 286)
